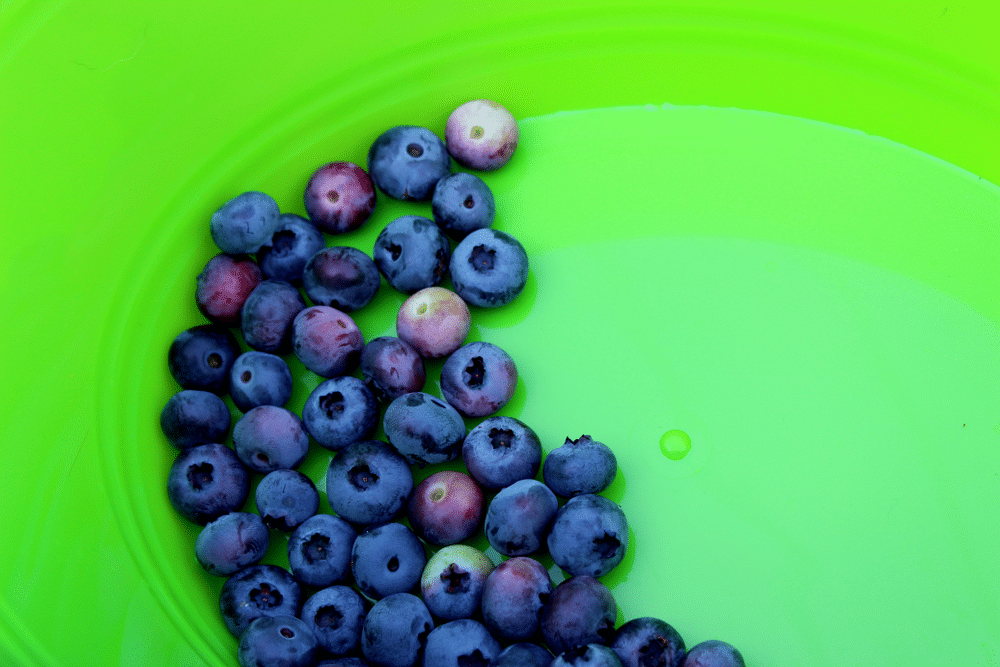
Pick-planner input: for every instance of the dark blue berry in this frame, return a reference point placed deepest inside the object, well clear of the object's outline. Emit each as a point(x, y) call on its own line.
point(342, 277)
point(286, 498)
point(650, 641)
point(462, 203)
point(412, 253)
point(580, 466)
point(200, 358)
point(391, 367)
point(368, 482)
point(513, 596)
point(194, 417)
point(244, 223)
point(587, 655)
point(519, 516)
point(523, 654)
point(712, 653)
point(424, 428)
point(395, 631)
point(267, 316)
point(580, 610)
point(255, 591)
point(407, 161)
point(277, 641)
point(335, 615)
point(340, 411)
point(500, 450)
point(327, 341)
point(588, 536)
point(207, 481)
point(386, 559)
point(294, 241)
point(269, 438)
point(319, 550)
point(478, 379)
point(489, 268)
point(461, 643)
point(259, 378)
point(231, 542)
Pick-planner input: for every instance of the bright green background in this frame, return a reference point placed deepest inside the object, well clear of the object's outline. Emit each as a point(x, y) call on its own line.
point(122, 125)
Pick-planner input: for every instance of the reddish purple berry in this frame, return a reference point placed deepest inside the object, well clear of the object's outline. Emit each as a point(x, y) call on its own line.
point(339, 197)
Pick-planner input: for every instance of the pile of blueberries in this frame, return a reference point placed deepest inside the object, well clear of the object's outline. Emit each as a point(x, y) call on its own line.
point(360, 590)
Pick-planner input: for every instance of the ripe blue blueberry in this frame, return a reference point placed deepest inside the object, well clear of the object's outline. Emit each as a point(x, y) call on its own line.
point(259, 378)
point(224, 285)
point(342, 277)
point(513, 596)
point(231, 542)
point(200, 358)
point(255, 591)
point(269, 438)
point(368, 482)
point(461, 643)
point(286, 498)
point(580, 466)
point(647, 640)
point(581, 610)
point(327, 341)
point(391, 367)
point(207, 481)
point(386, 559)
point(587, 655)
point(500, 450)
point(335, 615)
point(523, 654)
point(588, 536)
point(194, 417)
point(424, 429)
point(489, 268)
point(407, 161)
point(294, 241)
point(395, 631)
point(478, 379)
point(277, 641)
point(340, 411)
point(519, 516)
point(462, 203)
point(346, 661)
point(267, 316)
point(244, 223)
point(412, 253)
point(319, 550)
point(339, 197)
point(713, 653)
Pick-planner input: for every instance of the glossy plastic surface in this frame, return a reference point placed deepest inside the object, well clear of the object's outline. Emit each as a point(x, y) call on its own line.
point(812, 310)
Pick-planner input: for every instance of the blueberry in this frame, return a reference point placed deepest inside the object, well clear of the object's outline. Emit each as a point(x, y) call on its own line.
point(588, 536)
point(445, 507)
point(294, 241)
point(412, 253)
point(286, 498)
point(231, 542)
point(519, 516)
point(207, 481)
point(319, 550)
point(335, 615)
point(340, 411)
point(347, 661)
point(581, 610)
point(259, 378)
point(462, 203)
point(277, 641)
point(501, 450)
point(269, 438)
point(713, 653)
point(523, 654)
point(489, 268)
point(424, 429)
point(194, 417)
point(649, 641)
point(587, 655)
point(478, 379)
point(367, 482)
point(327, 341)
point(481, 134)
point(339, 197)
point(391, 367)
point(342, 277)
point(224, 285)
point(453, 580)
point(461, 643)
point(513, 596)
point(244, 223)
point(200, 358)
point(407, 161)
point(435, 321)
point(395, 631)
point(267, 316)
point(255, 591)
point(580, 466)
point(387, 558)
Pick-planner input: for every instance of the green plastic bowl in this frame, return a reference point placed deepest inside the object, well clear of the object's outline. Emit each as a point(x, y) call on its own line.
point(764, 242)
